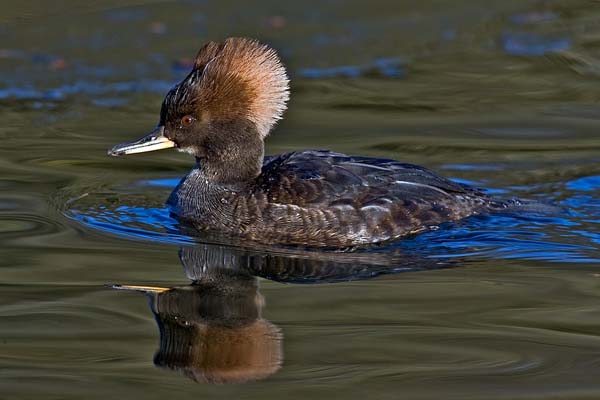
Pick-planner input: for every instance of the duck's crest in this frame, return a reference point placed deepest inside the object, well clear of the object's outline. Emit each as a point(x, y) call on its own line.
point(239, 78)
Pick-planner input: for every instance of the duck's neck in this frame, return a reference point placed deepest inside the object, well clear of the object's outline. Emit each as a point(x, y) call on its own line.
point(233, 156)
point(226, 165)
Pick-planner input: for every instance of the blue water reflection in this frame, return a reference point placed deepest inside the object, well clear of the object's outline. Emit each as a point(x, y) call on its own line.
point(529, 44)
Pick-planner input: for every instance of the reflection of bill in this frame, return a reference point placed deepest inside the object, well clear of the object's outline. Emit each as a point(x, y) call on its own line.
point(212, 330)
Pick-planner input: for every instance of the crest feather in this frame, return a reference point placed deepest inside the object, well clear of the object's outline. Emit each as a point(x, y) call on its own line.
point(242, 78)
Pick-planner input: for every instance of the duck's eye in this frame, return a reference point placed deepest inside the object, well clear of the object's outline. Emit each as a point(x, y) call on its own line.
point(187, 120)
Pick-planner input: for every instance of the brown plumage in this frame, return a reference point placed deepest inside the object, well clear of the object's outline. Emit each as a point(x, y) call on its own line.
point(221, 113)
point(239, 79)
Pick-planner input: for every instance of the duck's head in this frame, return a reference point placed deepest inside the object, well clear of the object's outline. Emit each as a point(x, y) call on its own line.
point(226, 106)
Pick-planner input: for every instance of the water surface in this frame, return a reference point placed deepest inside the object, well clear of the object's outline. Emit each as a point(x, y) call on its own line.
point(499, 94)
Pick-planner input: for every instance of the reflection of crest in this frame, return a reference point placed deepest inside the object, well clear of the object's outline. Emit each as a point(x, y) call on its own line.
point(212, 332)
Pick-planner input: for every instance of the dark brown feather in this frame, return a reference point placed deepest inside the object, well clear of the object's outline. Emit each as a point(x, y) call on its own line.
point(321, 198)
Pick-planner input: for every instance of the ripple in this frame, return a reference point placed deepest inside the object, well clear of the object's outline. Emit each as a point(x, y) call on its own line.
point(384, 67)
point(470, 167)
point(84, 87)
point(529, 44)
point(534, 17)
point(25, 227)
point(141, 223)
point(586, 184)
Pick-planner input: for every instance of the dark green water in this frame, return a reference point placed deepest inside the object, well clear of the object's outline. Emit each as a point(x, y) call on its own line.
point(501, 94)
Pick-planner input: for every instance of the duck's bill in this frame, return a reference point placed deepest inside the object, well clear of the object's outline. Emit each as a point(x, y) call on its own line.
point(155, 140)
point(143, 289)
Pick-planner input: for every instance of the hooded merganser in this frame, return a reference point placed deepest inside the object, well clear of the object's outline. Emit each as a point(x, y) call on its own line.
point(222, 112)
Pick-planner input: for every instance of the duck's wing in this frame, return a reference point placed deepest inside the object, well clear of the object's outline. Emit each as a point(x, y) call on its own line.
point(325, 179)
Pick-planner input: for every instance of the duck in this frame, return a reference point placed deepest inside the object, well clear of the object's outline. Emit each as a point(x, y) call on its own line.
point(222, 112)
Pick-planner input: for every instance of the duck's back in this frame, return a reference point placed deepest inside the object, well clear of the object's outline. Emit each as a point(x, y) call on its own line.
point(322, 198)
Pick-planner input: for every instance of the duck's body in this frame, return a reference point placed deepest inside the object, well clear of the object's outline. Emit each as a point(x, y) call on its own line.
point(322, 198)
point(222, 112)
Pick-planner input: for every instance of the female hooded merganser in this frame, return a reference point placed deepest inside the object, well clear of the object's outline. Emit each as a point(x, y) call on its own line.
point(222, 112)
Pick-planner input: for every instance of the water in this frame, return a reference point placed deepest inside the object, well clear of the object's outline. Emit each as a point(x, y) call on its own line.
point(499, 94)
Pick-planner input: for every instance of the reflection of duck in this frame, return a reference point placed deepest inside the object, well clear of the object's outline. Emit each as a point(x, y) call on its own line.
point(221, 113)
point(212, 330)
